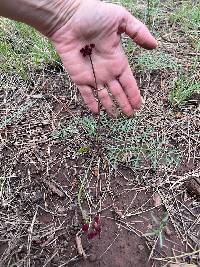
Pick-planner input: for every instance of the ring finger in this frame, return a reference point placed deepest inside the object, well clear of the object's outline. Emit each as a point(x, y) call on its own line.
point(105, 99)
point(121, 97)
point(88, 97)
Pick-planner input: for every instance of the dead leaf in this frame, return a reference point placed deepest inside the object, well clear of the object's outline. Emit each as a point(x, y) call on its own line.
point(95, 171)
point(167, 231)
point(157, 200)
point(54, 189)
point(179, 115)
point(193, 186)
point(118, 212)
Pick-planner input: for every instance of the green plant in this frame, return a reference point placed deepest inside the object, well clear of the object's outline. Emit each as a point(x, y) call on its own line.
point(23, 49)
point(63, 132)
point(154, 60)
point(158, 231)
point(84, 150)
point(89, 124)
point(187, 17)
point(129, 47)
point(137, 148)
point(87, 51)
point(152, 12)
point(137, 8)
point(126, 143)
point(17, 115)
point(183, 89)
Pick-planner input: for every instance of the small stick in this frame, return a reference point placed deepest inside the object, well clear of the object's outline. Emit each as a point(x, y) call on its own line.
point(99, 106)
point(148, 13)
point(79, 246)
point(177, 256)
point(87, 51)
point(110, 245)
point(30, 232)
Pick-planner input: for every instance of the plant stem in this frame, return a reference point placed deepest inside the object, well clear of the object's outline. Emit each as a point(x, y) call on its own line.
point(82, 187)
point(99, 106)
point(148, 14)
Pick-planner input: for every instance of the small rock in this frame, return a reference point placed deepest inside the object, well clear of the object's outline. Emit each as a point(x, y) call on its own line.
point(65, 243)
point(37, 96)
point(53, 187)
point(61, 209)
point(157, 200)
point(36, 196)
point(141, 247)
point(179, 115)
point(193, 186)
point(167, 231)
point(55, 259)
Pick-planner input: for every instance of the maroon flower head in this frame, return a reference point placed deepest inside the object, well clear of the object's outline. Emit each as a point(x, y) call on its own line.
point(97, 219)
point(85, 227)
point(87, 50)
point(91, 235)
point(94, 229)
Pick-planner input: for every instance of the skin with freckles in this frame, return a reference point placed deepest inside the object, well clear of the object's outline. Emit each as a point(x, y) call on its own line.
point(102, 24)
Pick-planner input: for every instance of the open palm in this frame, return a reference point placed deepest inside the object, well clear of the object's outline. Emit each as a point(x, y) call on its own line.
point(102, 24)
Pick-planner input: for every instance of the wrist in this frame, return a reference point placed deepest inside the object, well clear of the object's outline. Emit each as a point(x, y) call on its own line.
point(47, 16)
point(56, 14)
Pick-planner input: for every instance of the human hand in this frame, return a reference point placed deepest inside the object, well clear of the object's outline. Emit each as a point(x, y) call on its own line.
point(102, 24)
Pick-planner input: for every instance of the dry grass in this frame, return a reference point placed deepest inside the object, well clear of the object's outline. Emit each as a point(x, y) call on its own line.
point(51, 174)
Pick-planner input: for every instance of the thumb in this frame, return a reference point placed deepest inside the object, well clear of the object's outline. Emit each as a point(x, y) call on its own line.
point(138, 32)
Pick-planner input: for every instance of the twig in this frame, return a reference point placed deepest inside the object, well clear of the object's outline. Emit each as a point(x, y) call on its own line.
point(79, 246)
point(99, 106)
point(49, 260)
point(178, 256)
point(109, 246)
point(153, 248)
point(30, 231)
point(87, 51)
point(148, 13)
point(82, 186)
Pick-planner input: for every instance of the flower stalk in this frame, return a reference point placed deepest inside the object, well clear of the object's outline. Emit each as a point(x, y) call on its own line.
point(87, 51)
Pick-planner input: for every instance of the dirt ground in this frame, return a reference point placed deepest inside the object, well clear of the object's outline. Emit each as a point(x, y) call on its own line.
point(131, 200)
point(40, 214)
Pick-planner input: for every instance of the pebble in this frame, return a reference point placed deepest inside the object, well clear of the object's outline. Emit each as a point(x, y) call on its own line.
point(141, 247)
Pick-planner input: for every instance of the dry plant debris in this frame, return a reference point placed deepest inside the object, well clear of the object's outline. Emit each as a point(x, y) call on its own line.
point(149, 166)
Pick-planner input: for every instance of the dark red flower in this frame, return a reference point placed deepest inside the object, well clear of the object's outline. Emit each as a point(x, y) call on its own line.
point(91, 235)
point(82, 51)
point(94, 229)
point(87, 50)
point(85, 227)
point(97, 227)
point(97, 219)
